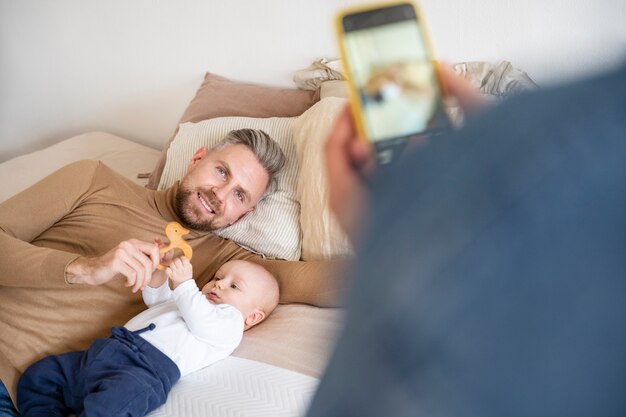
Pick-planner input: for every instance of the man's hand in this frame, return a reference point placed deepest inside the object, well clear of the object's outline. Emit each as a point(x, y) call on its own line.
point(179, 271)
point(132, 260)
point(159, 277)
point(349, 158)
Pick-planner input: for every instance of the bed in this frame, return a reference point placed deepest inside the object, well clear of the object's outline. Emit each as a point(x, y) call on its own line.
point(276, 368)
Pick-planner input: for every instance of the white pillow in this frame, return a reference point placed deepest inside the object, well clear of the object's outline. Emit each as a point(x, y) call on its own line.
point(322, 237)
point(272, 229)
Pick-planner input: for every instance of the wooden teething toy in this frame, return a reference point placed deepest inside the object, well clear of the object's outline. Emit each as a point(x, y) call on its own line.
point(175, 232)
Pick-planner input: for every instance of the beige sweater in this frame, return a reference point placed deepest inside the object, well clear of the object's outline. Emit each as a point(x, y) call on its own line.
point(86, 209)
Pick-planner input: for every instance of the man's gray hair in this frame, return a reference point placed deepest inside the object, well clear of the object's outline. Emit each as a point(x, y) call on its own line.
point(266, 150)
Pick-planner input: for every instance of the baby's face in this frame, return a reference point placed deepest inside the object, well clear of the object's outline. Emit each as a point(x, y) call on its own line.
point(235, 284)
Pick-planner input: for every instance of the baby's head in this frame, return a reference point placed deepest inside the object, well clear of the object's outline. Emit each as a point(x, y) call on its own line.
point(248, 287)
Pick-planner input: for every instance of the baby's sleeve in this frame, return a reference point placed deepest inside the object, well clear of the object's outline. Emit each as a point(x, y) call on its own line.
point(220, 324)
point(153, 296)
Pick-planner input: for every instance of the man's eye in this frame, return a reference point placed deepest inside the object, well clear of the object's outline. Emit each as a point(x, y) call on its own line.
point(239, 195)
point(221, 172)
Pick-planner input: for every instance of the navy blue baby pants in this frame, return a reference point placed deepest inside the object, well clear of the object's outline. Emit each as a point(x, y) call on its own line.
point(123, 375)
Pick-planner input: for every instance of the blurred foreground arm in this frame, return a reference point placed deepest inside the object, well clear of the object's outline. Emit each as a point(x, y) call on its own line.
point(349, 161)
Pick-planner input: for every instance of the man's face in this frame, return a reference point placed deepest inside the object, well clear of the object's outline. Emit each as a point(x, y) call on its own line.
point(220, 187)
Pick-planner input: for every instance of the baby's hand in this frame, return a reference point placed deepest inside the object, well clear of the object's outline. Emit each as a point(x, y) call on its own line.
point(158, 278)
point(179, 270)
point(166, 257)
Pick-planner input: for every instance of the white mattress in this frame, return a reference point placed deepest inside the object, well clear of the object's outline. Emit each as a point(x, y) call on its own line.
point(239, 387)
point(274, 372)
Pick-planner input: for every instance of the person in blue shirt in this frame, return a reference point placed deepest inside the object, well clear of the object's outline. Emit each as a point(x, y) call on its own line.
point(490, 273)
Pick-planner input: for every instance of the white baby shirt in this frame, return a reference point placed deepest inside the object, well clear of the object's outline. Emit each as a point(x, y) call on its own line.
point(190, 330)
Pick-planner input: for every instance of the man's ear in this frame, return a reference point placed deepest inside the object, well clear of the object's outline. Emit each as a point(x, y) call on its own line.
point(241, 217)
point(253, 318)
point(197, 157)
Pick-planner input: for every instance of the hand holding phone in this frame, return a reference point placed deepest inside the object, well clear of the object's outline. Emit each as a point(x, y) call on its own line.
point(348, 157)
point(395, 91)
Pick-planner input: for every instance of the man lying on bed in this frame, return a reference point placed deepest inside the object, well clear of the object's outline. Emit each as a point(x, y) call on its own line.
point(71, 241)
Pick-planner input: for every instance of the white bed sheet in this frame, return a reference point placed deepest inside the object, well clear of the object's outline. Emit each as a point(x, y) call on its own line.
point(239, 387)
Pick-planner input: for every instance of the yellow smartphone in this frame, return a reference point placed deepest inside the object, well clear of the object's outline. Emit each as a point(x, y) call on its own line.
point(395, 91)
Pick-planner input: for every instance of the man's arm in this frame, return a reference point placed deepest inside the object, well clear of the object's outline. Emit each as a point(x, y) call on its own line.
point(132, 260)
point(30, 213)
point(319, 283)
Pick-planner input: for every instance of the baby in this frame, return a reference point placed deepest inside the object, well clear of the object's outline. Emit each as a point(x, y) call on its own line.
point(183, 330)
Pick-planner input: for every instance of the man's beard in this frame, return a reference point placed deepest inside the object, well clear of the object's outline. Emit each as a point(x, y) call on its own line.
point(189, 216)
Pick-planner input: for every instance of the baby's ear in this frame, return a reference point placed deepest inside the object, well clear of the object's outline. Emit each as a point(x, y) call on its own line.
point(253, 318)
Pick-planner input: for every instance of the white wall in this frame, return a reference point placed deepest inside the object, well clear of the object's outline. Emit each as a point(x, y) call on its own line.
point(129, 67)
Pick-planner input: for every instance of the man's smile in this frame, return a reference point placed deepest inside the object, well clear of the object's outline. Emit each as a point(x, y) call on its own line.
point(205, 203)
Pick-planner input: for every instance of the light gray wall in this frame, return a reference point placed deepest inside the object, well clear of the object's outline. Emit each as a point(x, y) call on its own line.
point(129, 67)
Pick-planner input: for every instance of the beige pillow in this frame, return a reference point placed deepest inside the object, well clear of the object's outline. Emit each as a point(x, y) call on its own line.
point(272, 229)
point(221, 97)
point(322, 237)
point(334, 88)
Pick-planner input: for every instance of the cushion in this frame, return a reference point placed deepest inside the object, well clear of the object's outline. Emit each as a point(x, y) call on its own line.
point(334, 88)
point(272, 229)
point(322, 237)
point(219, 97)
point(124, 156)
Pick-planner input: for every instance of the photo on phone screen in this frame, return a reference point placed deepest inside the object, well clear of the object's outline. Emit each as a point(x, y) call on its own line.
point(394, 75)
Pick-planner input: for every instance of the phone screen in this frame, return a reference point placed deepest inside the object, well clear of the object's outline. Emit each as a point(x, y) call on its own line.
point(394, 75)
